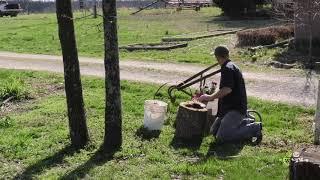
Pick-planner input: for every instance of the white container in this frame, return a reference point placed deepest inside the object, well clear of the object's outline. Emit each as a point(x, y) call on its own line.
point(155, 114)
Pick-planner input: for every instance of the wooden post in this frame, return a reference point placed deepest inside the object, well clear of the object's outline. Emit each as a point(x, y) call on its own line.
point(317, 119)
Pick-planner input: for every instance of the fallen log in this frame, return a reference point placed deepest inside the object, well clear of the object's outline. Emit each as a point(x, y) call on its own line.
point(279, 44)
point(149, 5)
point(154, 46)
point(6, 101)
point(213, 34)
point(191, 120)
point(305, 164)
point(277, 64)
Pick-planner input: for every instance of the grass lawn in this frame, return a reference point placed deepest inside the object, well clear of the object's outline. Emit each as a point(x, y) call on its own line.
point(34, 138)
point(37, 33)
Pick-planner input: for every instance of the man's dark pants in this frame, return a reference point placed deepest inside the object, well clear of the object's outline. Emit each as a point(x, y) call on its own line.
point(230, 128)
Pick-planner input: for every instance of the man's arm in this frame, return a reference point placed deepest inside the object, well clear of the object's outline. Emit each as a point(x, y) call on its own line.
point(220, 94)
point(227, 84)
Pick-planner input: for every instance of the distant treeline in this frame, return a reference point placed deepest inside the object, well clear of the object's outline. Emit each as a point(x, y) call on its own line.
point(47, 6)
point(42, 6)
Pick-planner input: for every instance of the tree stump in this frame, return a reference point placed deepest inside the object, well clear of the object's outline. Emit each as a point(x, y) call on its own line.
point(191, 120)
point(305, 164)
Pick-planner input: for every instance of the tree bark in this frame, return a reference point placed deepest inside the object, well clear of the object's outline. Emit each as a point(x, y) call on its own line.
point(191, 121)
point(94, 9)
point(317, 119)
point(73, 87)
point(113, 112)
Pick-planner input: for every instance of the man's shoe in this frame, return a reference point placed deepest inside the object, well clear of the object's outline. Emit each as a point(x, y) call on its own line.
point(257, 138)
point(246, 121)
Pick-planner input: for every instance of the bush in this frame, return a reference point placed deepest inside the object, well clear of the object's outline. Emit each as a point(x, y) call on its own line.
point(283, 32)
point(264, 36)
point(13, 87)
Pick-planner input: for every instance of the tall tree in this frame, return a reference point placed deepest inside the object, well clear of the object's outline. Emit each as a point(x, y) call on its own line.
point(73, 87)
point(113, 116)
point(94, 9)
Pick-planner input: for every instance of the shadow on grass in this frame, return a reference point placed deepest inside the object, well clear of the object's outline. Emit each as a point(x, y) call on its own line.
point(99, 158)
point(292, 56)
point(189, 143)
point(46, 163)
point(225, 150)
point(228, 22)
point(146, 134)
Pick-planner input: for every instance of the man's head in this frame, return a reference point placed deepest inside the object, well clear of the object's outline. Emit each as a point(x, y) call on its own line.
point(221, 53)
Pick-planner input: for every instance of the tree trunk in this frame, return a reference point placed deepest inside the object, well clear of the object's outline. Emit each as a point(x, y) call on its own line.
point(191, 121)
point(317, 119)
point(113, 117)
point(73, 87)
point(94, 9)
point(305, 164)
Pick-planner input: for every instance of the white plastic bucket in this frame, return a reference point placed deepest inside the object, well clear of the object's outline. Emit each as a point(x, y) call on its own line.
point(155, 114)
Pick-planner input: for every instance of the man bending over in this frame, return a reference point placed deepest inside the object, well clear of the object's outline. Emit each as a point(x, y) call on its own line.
point(232, 104)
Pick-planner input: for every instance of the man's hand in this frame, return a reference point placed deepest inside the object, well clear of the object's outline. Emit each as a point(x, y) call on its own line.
point(204, 98)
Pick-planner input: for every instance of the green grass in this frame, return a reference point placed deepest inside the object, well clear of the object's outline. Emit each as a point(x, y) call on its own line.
point(38, 34)
point(13, 87)
point(34, 139)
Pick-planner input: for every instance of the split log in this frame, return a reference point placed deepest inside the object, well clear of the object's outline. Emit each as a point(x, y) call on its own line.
point(191, 120)
point(305, 164)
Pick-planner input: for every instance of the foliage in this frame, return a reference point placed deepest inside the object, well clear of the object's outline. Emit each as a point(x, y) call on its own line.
point(239, 7)
point(264, 36)
point(36, 142)
point(12, 87)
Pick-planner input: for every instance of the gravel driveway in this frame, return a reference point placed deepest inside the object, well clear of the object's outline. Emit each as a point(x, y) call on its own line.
point(293, 89)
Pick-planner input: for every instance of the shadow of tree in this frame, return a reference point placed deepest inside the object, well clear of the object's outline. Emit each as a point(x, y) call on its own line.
point(241, 22)
point(46, 163)
point(100, 157)
point(292, 56)
point(146, 134)
point(225, 150)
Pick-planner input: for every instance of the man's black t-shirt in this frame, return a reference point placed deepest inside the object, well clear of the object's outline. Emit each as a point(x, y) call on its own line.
point(231, 77)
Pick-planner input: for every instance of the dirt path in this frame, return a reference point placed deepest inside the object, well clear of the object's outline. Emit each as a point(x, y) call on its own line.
point(284, 88)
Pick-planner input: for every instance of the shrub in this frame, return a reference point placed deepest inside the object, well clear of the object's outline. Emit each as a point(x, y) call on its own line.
point(253, 37)
point(13, 87)
point(283, 32)
point(264, 36)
